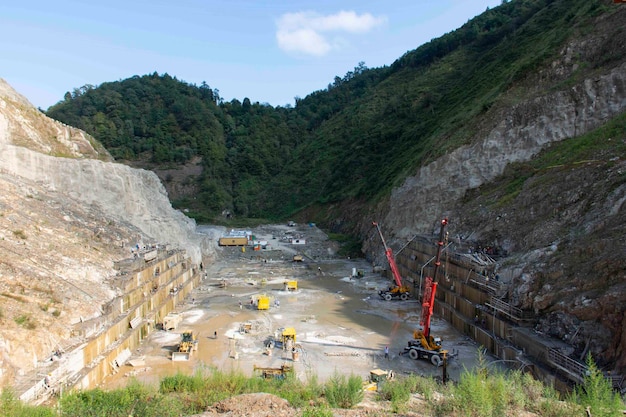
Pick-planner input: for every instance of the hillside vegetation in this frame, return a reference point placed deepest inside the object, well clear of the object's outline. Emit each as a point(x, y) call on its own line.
point(208, 393)
point(354, 140)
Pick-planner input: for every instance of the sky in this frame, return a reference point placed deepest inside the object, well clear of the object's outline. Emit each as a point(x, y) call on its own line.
point(268, 51)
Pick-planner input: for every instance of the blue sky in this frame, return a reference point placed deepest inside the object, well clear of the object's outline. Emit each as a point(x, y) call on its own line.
point(268, 51)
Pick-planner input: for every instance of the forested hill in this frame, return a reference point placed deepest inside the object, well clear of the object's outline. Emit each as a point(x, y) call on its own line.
point(354, 140)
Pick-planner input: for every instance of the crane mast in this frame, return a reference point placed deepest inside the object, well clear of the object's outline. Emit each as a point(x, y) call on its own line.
point(424, 345)
point(392, 262)
point(430, 285)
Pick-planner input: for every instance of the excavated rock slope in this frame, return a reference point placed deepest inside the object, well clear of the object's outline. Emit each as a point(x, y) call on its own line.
point(565, 228)
point(67, 213)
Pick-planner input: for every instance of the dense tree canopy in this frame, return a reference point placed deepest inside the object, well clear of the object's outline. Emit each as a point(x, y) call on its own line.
point(355, 139)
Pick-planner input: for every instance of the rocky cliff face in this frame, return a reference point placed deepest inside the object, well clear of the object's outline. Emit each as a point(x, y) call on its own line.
point(67, 213)
point(36, 148)
point(564, 230)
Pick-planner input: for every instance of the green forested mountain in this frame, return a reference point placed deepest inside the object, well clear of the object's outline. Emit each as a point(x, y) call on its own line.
point(355, 139)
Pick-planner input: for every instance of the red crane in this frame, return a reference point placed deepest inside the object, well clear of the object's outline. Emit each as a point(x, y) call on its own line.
point(400, 290)
point(430, 285)
point(424, 345)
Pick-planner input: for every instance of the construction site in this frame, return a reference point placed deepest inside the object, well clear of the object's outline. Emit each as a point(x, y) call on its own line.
point(281, 308)
point(294, 308)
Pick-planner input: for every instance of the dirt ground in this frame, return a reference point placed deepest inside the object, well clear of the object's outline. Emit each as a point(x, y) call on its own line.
point(341, 324)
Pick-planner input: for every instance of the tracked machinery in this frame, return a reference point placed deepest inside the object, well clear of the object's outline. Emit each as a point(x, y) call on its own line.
point(424, 345)
point(400, 291)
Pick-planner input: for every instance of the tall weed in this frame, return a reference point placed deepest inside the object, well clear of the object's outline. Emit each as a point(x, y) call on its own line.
point(10, 405)
point(342, 392)
point(596, 393)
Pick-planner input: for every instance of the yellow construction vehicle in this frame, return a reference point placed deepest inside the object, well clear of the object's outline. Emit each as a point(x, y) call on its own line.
point(263, 302)
point(376, 378)
point(291, 285)
point(285, 337)
point(279, 373)
point(288, 338)
point(188, 344)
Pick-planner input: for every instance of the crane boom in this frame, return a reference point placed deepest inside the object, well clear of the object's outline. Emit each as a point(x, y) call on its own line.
point(430, 286)
point(424, 345)
point(392, 262)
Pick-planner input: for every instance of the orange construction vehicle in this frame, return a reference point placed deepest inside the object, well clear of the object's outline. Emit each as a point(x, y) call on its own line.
point(400, 291)
point(424, 345)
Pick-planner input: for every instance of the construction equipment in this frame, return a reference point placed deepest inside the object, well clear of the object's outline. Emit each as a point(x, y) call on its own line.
point(233, 241)
point(279, 373)
point(377, 377)
point(288, 338)
point(285, 337)
point(263, 302)
point(424, 345)
point(298, 258)
point(291, 285)
point(188, 344)
point(245, 327)
point(400, 291)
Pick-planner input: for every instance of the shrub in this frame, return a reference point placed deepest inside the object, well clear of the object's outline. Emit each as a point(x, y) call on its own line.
point(344, 392)
point(301, 394)
point(19, 234)
point(597, 393)
point(26, 322)
point(321, 411)
point(10, 405)
point(485, 393)
point(422, 385)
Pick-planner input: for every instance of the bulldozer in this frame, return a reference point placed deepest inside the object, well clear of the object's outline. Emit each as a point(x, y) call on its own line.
point(188, 344)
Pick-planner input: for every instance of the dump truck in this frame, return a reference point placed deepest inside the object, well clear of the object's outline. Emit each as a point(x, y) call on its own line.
point(188, 344)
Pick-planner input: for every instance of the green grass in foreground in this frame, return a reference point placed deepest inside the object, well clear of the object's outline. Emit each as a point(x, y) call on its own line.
point(478, 393)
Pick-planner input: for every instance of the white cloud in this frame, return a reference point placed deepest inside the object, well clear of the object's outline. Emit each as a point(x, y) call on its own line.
point(311, 33)
point(306, 41)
